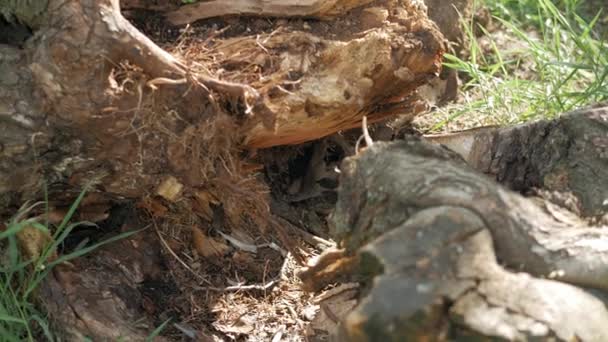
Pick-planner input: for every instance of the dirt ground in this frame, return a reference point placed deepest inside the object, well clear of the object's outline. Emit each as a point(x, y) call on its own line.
point(237, 294)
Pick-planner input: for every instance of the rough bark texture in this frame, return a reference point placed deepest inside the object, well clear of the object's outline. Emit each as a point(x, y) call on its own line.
point(27, 143)
point(103, 297)
point(566, 155)
point(428, 226)
point(528, 236)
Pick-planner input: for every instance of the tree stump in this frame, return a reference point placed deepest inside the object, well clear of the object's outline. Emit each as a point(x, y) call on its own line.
point(95, 100)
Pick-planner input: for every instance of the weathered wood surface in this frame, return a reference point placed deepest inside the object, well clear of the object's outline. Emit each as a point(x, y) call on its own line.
point(267, 8)
point(106, 296)
point(568, 155)
point(449, 253)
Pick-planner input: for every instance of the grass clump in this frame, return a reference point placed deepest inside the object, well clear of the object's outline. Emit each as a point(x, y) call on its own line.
point(20, 318)
point(544, 58)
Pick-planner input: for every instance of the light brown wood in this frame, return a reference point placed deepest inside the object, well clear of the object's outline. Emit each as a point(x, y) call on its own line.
point(343, 82)
point(269, 8)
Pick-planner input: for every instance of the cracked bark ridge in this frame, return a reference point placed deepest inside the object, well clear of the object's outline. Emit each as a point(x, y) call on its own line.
point(567, 155)
point(429, 232)
point(29, 139)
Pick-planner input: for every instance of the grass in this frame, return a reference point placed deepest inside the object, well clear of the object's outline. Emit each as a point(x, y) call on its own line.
point(547, 57)
point(20, 318)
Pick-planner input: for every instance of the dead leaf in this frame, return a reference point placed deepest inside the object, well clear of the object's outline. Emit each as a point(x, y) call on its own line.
point(207, 246)
point(94, 212)
point(170, 189)
point(244, 325)
point(55, 215)
point(154, 207)
point(242, 258)
point(202, 204)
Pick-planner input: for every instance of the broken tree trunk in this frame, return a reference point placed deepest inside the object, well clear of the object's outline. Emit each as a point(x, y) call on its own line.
point(94, 100)
point(440, 247)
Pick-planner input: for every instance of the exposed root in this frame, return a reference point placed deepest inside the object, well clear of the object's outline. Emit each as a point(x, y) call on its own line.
point(368, 139)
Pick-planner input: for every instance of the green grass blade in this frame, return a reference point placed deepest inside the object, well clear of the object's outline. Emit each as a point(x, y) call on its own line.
point(157, 331)
point(70, 212)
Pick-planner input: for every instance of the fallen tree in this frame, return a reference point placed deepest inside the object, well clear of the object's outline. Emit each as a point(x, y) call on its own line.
point(566, 156)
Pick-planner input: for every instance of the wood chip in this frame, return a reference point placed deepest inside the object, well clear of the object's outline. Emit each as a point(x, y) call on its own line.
point(170, 189)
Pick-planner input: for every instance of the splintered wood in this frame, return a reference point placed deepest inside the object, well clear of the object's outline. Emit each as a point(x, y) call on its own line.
point(325, 78)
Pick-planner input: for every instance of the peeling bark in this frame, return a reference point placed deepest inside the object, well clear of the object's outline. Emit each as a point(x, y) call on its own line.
point(344, 81)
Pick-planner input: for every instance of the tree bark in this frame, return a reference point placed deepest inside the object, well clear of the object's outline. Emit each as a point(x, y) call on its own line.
point(104, 297)
point(423, 226)
point(567, 155)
